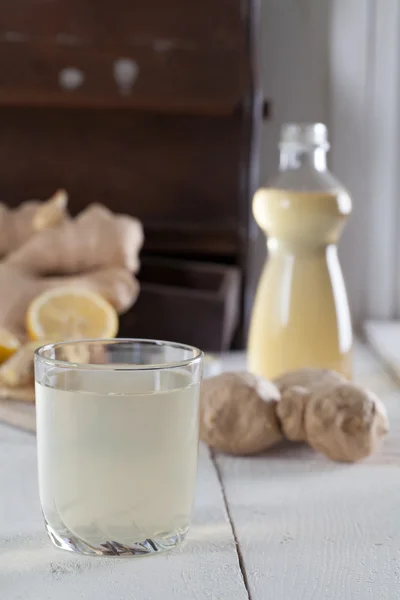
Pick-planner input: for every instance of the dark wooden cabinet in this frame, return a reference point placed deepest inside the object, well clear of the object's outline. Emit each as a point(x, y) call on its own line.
point(151, 107)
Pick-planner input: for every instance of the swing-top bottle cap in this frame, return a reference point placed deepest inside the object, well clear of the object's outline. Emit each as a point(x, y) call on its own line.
point(305, 135)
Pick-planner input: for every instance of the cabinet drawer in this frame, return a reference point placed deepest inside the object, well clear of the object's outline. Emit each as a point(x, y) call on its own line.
point(185, 301)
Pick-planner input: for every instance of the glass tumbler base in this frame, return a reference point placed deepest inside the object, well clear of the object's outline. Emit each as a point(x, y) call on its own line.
point(67, 540)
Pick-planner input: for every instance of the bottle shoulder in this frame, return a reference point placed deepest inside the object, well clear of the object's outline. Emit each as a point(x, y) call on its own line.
point(315, 217)
point(306, 179)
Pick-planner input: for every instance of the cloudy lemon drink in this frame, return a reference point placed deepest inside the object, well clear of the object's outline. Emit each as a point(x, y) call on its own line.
point(117, 443)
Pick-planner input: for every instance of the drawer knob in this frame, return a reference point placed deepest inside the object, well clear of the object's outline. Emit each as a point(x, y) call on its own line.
point(71, 78)
point(126, 72)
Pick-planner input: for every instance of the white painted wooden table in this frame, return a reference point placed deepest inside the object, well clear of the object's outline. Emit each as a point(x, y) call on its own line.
point(288, 525)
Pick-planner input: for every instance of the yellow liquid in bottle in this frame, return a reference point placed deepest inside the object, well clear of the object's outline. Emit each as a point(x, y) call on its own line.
point(301, 316)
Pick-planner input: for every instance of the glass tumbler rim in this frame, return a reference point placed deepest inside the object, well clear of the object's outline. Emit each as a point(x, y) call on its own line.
point(45, 360)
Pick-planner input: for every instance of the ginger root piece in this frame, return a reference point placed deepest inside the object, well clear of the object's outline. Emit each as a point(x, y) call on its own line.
point(345, 422)
point(16, 225)
point(96, 238)
point(237, 413)
point(107, 245)
point(18, 289)
point(17, 371)
point(52, 212)
point(290, 411)
point(23, 394)
point(115, 284)
point(295, 387)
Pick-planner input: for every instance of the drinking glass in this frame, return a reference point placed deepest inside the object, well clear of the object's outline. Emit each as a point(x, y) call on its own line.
point(117, 434)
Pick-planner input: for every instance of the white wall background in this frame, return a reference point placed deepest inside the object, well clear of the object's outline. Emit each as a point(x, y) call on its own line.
point(338, 61)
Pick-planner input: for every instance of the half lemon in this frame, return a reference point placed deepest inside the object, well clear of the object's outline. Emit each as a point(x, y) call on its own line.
point(66, 313)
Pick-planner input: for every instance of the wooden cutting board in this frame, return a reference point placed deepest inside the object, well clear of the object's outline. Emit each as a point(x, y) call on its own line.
point(18, 414)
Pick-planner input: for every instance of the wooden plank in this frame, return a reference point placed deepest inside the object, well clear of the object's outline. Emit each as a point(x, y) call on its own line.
point(310, 528)
point(159, 77)
point(165, 170)
point(206, 567)
point(76, 21)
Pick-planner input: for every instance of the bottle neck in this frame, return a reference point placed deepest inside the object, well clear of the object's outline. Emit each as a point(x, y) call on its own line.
point(293, 158)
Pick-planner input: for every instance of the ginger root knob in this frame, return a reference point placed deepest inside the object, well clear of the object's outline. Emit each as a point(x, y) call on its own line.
point(342, 420)
point(237, 413)
point(345, 422)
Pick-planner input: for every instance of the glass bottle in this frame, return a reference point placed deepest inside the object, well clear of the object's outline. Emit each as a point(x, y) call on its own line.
point(301, 316)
